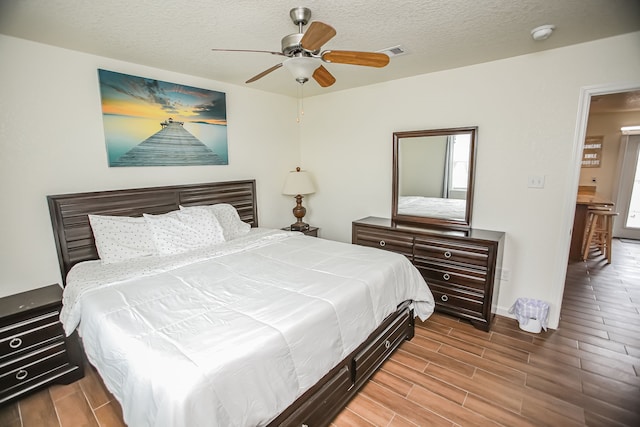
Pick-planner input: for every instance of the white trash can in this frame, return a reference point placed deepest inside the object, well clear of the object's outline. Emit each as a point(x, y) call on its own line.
point(532, 314)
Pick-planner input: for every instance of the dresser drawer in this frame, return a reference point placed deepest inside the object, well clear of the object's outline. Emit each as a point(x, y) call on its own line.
point(32, 365)
point(464, 253)
point(448, 273)
point(457, 300)
point(394, 242)
point(20, 336)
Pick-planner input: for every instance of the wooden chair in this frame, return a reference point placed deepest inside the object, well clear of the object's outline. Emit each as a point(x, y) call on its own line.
point(600, 234)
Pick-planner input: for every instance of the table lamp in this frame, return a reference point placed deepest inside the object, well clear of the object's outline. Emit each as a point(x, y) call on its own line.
point(298, 183)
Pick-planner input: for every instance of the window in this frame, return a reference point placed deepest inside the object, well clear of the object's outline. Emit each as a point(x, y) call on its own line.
point(459, 165)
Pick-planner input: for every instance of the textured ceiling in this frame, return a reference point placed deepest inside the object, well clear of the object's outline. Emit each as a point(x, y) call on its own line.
point(616, 103)
point(439, 34)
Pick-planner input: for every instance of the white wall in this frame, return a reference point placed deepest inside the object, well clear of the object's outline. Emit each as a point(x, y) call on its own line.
point(52, 142)
point(526, 109)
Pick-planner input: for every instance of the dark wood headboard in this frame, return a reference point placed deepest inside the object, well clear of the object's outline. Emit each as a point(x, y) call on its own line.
point(72, 231)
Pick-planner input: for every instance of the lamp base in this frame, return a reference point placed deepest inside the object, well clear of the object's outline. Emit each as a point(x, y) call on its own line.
point(299, 226)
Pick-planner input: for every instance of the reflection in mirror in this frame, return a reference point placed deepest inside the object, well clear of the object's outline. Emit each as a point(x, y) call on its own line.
point(433, 176)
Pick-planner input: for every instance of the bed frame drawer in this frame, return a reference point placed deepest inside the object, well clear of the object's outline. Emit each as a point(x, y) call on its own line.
point(372, 356)
point(328, 399)
point(319, 405)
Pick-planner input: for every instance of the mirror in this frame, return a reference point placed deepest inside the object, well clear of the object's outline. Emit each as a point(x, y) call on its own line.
point(433, 173)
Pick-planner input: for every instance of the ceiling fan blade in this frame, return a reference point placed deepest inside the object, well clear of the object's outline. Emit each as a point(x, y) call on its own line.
point(323, 77)
point(369, 59)
point(316, 35)
point(248, 50)
point(264, 73)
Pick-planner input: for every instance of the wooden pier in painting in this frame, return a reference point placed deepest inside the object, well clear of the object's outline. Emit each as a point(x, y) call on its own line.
point(173, 145)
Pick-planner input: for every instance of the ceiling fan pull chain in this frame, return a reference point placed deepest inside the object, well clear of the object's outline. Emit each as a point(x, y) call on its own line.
point(301, 100)
point(300, 107)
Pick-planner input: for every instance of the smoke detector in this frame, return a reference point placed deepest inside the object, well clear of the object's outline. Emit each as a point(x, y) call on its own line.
point(542, 32)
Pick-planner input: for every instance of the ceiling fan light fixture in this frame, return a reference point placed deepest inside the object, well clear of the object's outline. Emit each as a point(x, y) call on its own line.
point(301, 67)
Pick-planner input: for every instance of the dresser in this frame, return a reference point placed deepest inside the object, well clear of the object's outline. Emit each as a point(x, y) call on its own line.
point(34, 351)
point(460, 267)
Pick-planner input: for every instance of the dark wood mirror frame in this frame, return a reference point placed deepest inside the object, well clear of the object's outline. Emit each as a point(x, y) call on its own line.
point(449, 223)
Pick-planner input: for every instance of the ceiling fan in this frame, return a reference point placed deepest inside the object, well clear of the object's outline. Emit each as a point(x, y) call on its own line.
point(303, 53)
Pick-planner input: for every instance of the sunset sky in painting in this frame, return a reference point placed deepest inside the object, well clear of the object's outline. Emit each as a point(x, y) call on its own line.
point(133, 96)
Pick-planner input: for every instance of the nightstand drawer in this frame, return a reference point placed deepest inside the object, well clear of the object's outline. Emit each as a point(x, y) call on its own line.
point(18, 337)
point(30, 366)
point(34, 351)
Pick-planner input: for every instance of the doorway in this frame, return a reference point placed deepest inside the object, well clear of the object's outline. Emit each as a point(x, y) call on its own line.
point(586, 95)
point(628, 200)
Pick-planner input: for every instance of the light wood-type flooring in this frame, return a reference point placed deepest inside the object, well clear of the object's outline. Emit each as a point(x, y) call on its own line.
point(587, 372)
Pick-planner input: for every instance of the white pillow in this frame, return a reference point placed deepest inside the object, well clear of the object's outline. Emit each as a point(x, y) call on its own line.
point(179, 231)
point(228, 217)
point(119, 238)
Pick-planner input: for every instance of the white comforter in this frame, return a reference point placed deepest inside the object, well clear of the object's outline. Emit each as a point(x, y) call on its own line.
point(233, 334)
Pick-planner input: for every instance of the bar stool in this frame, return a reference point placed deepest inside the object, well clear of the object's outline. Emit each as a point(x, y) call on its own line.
point(600, 232)
point(599, 223)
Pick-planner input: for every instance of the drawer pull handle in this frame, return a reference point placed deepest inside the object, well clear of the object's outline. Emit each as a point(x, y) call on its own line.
point(21, 374)
point(382, 243)
point(15, 343)
point(446, 276)
point(387, 344)
point(444, 298)
point(447, 254)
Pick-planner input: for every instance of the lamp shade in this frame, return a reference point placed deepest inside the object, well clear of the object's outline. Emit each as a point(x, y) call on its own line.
point(301, 67)
point(298, 182)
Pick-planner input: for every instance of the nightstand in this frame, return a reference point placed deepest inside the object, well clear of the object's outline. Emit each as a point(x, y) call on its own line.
point(312, 231)
point(34, 351)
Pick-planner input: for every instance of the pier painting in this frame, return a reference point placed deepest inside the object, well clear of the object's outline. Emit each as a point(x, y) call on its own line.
point(149, 122)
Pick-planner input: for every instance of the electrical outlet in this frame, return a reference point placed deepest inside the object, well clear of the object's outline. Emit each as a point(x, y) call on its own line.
point(536, 181)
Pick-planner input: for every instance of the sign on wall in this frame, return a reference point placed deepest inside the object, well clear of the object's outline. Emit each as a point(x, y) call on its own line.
point(592, 152)
point(149, 122)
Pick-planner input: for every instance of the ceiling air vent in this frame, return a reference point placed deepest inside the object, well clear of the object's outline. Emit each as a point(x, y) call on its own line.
point(393, 51)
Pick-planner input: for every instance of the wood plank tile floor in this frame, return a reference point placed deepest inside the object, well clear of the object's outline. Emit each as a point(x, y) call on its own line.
point(587, 372)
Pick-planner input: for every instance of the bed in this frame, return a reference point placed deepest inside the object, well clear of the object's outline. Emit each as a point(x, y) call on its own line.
point(268, 328)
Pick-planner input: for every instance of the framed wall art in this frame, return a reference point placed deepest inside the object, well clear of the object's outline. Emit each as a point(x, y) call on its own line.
point(149, 122)
point(592, 152)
